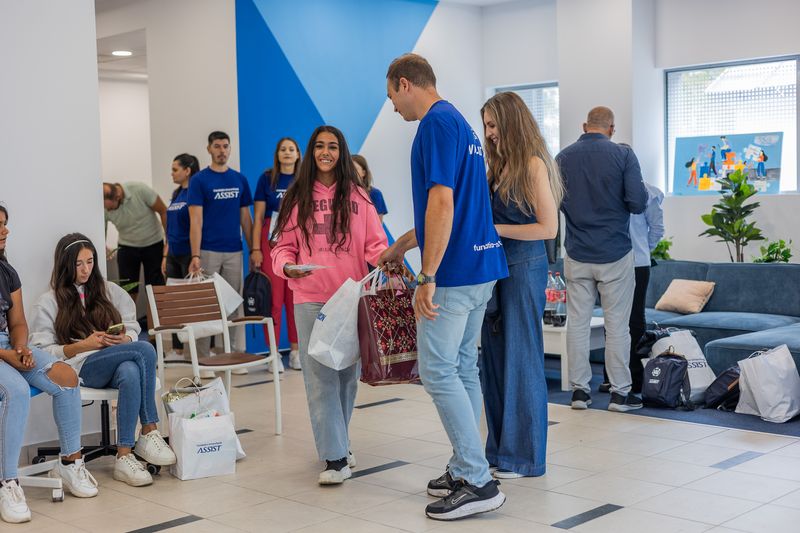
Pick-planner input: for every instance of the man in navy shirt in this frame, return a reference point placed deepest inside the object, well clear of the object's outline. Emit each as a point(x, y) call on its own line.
point(604, 187)
point(219, 210)
point(462, 258)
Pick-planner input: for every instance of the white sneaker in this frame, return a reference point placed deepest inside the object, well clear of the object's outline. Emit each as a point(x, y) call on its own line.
point(207, 374)
point(129, 470)
point(76, 479)
point(13, 507)
point(239, 371)
point(294, 360)
point(335, 477)
point(154, 449)
point(351, 460)
point(280, 365)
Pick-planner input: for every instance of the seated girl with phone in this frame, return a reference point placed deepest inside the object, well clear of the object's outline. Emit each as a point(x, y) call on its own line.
point(91, 324)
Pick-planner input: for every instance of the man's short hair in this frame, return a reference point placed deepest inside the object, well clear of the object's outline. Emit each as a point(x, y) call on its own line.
point(414, 68)
point(218, 136)
point(600, 117)
point(111, 191)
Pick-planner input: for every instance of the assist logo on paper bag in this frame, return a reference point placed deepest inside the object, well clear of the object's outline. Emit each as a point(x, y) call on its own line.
point(209, 447)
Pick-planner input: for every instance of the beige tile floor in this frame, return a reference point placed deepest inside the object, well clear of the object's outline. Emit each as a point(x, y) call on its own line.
point(659, 472)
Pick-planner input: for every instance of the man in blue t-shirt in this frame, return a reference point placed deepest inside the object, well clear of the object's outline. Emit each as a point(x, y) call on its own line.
point(462, 258)
point(219, 211)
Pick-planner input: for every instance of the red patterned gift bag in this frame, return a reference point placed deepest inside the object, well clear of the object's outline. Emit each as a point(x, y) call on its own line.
point(387, 334)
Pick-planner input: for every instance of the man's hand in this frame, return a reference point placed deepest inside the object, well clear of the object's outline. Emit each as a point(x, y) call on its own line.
point(164, 267)
point(423, 302)
point(256, 258)
point(195, 266)
point(393, 254)
point(294, 274)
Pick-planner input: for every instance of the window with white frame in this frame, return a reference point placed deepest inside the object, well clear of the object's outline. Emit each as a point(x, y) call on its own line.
point(542, 100)
point(737, 98)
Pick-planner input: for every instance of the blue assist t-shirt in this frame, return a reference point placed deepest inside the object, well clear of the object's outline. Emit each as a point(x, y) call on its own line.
point(446, 151)
point(221, 195)
point(376, 196)
point(265, 192)
point(178, 224)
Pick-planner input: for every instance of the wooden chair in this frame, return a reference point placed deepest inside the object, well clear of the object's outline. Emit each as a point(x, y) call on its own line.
point(175, 308)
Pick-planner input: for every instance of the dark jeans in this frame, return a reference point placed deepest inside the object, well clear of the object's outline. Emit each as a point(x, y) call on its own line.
point(130, 259)
point(637, 324)
point(178, 267)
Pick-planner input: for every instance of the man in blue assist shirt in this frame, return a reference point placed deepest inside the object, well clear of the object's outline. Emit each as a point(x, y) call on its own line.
point(604, 187)
point(462, 258)
point(219, 210)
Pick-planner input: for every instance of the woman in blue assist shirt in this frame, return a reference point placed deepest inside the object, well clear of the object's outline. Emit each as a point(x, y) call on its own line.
point(375, 195)
point(271, 188)
point(177, 252)
point(526, 190)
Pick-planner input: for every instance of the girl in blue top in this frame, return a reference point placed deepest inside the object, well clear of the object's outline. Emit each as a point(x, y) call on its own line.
point(375, 195)
point(526, 190)
point(177, 251)
point(271, 188)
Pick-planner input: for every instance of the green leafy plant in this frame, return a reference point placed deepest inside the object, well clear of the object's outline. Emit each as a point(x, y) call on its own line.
point(728, 217)
point(661, 251)
point(775, 252)
point(126, 284)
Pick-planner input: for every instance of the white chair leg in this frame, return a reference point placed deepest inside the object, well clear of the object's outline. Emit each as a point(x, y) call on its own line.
point(276, 381)
point(228, 383)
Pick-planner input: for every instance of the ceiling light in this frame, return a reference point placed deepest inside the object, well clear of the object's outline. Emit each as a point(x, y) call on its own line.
point(122, 53)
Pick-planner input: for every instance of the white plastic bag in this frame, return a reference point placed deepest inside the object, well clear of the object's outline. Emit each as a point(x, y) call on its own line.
point(334, 338)
point(228, 296)
point(198, 400)
point(700, 374)
point(204, 447)
point(770, 386)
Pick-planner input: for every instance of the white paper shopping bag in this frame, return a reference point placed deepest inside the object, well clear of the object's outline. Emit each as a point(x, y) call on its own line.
point(205, 447)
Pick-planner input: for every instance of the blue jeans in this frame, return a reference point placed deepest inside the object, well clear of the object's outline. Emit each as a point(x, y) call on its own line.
point(512, 370)
point(331, 393)
point(448, 367)
point(131, 369)
point(15, 395)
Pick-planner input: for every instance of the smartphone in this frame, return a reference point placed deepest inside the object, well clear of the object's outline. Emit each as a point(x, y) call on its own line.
point(116, 329)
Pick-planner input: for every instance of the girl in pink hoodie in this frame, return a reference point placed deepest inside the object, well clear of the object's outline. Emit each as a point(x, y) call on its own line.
point(326, 219)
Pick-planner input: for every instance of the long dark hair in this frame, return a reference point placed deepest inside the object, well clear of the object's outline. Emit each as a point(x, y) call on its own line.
point(186, 161)
point(366, 181)
point(3, 251)
point(275, 171)
point(74, 320)
point(300, 193)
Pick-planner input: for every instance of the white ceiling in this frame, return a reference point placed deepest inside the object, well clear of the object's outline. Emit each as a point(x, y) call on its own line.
point(133, 41)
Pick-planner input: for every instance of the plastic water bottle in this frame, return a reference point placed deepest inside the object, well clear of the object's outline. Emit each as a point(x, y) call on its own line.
point(560, 310)
point(550, 300)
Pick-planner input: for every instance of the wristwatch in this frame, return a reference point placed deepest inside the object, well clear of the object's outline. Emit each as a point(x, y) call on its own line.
point(423, 279)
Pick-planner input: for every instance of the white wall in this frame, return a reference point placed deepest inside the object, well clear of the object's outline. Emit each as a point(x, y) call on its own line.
point(125, 131)
point(451, 42)
point(191, 64)
point(51, 164)
point(519, 43)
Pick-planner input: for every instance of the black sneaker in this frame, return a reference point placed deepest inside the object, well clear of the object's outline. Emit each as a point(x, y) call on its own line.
point(443, 485)
point(468, 500)
point(622, 403)
point(580, 400)
point(604, 388)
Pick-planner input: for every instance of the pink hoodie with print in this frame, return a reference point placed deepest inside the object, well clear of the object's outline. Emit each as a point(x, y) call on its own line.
point(365, 243)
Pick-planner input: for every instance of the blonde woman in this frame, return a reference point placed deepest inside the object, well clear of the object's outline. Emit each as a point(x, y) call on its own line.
point(526, 190)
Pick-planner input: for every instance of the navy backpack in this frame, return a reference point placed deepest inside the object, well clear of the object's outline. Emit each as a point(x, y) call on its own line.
point(257, 294)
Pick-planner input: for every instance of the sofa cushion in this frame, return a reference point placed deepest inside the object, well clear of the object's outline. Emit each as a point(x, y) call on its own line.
point(664, 272)
point(757, 288)
point(654, 316)
point(685, 296)
point(724, 353)
point(710, 325)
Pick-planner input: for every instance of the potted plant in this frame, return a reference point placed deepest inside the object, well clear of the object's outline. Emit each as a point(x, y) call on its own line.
point(775, 252)
point(661, 251)
point(728, 217)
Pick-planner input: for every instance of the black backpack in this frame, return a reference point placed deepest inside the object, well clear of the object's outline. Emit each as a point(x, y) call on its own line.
point(666, 382)
point(257, 294)
point(723, 393)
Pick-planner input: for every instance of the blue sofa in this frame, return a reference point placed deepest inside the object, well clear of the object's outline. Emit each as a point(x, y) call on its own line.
point(754, 306)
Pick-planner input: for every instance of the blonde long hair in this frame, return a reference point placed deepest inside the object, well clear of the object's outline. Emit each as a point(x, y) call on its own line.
point(520, 140)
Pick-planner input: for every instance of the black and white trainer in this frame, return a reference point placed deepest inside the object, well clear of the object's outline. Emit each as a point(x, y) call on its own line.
point(467, 500)
point(443, 485)
point(335, 473)
point(580, 399)
point(622, 403)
